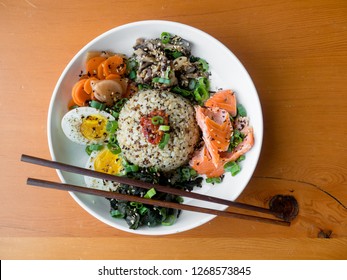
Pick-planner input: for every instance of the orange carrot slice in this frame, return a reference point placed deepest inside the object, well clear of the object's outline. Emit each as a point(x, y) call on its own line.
point(87, 85)
point(93, 64)
point(100, 72)
point(79, 96)
point(114, 65)
point(113, 76)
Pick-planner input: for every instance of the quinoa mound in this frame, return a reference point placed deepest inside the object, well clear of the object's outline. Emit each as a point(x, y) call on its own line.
point(184, 131)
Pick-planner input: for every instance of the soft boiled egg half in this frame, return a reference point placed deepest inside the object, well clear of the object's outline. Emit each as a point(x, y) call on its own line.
point(106, 162)
point(86, 125)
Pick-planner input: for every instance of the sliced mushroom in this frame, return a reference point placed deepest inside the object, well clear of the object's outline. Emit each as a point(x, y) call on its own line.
point(179, 61)
point(107, 91)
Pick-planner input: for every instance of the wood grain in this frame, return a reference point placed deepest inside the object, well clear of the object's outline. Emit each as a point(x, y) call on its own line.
point(296, 54)
point(107, 248)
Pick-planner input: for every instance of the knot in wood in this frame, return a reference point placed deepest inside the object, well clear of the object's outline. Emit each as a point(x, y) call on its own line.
point(284, 206)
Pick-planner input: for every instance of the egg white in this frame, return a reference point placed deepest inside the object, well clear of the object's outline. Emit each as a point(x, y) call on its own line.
point(72, 121)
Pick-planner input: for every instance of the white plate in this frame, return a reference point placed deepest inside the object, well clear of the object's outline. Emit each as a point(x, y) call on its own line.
point(227, 72)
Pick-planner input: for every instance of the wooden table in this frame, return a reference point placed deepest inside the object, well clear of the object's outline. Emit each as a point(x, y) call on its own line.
point(296, 54)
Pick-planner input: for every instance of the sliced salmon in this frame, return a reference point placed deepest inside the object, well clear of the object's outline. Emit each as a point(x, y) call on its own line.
point(202, 160)
point(216, 130)
point(202, 163)
point(224, 99)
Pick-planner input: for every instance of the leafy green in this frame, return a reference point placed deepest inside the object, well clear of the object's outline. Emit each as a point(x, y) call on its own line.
point(235, 139)
point(138, 214)
point(241, 111)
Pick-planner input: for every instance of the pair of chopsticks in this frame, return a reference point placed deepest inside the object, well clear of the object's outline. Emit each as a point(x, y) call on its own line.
point(145, 185)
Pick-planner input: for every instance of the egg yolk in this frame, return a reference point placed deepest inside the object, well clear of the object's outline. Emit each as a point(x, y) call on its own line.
point(107, 162)
point(93, 127)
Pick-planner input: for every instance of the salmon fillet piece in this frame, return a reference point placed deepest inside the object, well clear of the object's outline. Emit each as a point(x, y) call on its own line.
point(216, 130)
point(202, 160)
point(224, 99)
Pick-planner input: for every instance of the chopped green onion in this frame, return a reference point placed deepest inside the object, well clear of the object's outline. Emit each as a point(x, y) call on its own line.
point(214, 180)
point(113, 145)
point(163, 212)
point(138, 205)
point(143, 210)
point(150, 193)
point(113, 140)
point(232, 167)
point(97, 105)
point(157, 120)
point(185, 173)
point(116, 214)
point(96, 147)
point(93, 147)
point(161, 80)
point(115, 114)
point(111, 126)
point(115, 149)
point(235, 139)
point(164, 141)
point(241, 158)
point(165, 37)
point(131, 168)
point(204, 64)
point(164, 128)
point(169, 221)
point(183, 92)
point(201, 93)
point(193, 172)
point(204, 82)
point(119, 104)
point(241, 111)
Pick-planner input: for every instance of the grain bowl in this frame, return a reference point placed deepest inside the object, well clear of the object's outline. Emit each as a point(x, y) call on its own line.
point(226, 71)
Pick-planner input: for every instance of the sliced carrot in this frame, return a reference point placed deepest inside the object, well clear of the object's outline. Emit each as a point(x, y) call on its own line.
point(87, 85)
point(79, 96)
point(112, 76)
point(93, 64)
point(100, 72)
point(114, 65)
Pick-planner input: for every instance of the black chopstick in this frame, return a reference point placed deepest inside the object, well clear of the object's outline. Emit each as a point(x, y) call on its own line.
point(115, 195)
point(141, 184)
